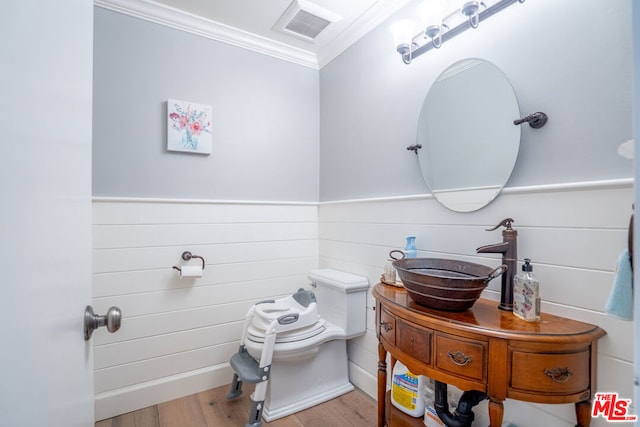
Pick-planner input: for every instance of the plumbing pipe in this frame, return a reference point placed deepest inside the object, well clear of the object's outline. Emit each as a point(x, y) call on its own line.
point(463, 414)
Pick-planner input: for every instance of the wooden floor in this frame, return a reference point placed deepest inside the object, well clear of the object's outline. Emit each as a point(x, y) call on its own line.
point(211, 409)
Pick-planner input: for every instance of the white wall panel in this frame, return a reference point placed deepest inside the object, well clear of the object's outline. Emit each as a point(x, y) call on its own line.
point(136, 281)
point(199, 296)
point(122, 236)
point(110, 355)
point(178, 335)
point(137, 258)
point(606, 207)
point(109, 211)
point(573, 234)
point(162, 323)
point(112, 378)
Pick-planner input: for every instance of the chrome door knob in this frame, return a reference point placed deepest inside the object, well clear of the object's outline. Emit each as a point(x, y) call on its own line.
point(112, 320)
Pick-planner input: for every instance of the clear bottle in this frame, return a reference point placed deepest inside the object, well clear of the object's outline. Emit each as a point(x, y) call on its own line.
point(389, 274)
point(526, 294)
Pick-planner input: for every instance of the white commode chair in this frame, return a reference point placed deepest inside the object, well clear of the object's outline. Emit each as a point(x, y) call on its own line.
point(295, 348)
point(274, 317)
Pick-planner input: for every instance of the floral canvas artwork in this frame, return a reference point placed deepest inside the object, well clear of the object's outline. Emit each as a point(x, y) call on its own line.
point(188, 127)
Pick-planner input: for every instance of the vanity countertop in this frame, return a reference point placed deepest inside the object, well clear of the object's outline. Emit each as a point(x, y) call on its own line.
point(485, 317)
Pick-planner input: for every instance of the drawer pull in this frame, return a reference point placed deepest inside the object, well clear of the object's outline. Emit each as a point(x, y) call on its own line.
point(459, 358)
point(386, 326)
point(559, 375)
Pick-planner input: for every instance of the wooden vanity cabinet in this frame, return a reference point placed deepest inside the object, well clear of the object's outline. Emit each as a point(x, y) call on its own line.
point(486, 349)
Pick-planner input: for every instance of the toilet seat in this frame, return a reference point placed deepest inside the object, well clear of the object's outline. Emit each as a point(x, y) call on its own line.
point(296, 344)
point(291, 313)
point(257, 335)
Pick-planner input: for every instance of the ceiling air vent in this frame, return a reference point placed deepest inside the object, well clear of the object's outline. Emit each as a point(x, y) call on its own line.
point(305, 20)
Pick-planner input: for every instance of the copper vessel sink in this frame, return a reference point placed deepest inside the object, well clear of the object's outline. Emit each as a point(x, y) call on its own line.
point(445, 284)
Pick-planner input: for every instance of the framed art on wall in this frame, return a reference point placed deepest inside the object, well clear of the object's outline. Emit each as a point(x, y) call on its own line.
point(188, 127)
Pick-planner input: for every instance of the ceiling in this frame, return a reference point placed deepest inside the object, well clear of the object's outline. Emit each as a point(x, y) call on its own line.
point(253, 24)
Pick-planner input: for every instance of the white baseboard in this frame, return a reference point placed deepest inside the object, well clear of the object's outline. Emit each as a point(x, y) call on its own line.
point(127, 399)
point(364, 380)
point(112, 403)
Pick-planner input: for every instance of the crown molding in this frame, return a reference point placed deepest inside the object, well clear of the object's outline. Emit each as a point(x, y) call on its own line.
point(174, 18)
point(190, 23)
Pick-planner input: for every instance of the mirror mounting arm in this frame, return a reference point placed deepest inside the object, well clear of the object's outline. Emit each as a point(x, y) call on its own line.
point(536, 120)
point(414, 148)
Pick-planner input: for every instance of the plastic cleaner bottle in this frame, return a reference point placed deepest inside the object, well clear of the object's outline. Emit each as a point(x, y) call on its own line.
point(407, 390)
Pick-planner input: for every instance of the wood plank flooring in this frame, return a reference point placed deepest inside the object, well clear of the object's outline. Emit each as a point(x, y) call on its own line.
point(212, 409)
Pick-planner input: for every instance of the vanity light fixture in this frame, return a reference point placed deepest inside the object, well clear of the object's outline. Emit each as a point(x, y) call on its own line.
point(439, 25)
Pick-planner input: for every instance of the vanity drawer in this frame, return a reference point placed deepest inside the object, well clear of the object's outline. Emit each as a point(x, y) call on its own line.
point(415, 341)
point(550, 373)
point(387, 327)
point(461, 356)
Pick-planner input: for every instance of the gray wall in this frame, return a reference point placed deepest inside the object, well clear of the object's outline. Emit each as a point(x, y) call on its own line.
point(265, 117)
point(557, 63)
point(266, 132)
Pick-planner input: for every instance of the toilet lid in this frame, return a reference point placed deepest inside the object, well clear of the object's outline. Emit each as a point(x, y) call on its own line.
point(257, 335)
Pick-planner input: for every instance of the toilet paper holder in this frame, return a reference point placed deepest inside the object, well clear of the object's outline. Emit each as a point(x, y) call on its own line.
point(187, 256)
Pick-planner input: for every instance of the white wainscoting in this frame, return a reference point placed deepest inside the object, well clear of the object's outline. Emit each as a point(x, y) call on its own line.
point(177, 334)
point(572, 233)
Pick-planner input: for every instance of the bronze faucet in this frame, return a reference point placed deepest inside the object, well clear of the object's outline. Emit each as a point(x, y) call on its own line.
point(509, 250)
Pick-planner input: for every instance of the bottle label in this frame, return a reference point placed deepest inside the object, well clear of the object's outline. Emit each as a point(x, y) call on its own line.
point(405, 390)
point(526, 302)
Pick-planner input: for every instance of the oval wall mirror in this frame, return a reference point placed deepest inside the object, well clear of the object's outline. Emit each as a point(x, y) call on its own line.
point(469, 142)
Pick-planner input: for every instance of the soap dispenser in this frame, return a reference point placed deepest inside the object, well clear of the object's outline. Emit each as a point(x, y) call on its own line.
point(526, 294)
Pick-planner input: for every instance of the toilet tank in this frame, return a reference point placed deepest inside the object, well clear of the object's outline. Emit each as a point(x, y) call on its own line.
point(342, 299)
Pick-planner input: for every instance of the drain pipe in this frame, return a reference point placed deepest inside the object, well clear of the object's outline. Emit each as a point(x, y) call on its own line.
point(463, 414)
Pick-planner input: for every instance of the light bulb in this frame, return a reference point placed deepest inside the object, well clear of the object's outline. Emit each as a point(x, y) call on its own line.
point(403, 32)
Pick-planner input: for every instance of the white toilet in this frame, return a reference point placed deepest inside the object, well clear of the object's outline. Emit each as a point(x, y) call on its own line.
point(310, 363)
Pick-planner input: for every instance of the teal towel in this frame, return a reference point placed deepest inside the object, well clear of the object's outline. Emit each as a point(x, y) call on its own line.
point(620, 303)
